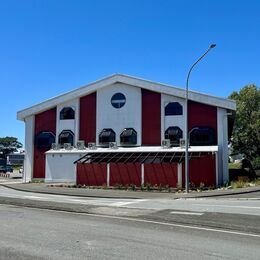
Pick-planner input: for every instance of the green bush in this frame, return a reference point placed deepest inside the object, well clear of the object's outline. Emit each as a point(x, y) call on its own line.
point(256, 163)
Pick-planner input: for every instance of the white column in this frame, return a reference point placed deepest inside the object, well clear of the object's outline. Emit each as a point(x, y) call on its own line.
point(29, 149)
point(142, 174)
point(179, 170)
point(216, 163)
point(223, 175)
point(108, 174)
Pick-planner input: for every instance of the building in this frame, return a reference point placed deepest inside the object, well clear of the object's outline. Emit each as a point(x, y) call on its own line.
point(132, 130)
point(16, 158)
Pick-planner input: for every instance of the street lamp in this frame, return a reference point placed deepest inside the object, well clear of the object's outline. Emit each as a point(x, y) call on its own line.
point(186, 119)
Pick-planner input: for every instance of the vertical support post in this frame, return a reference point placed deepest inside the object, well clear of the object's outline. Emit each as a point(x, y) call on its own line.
point(108, 174)
point(216, 165)
point(142, 174)
point(179, 168)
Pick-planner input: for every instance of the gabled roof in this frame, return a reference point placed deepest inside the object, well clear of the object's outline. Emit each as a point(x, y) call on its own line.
point(137, 82)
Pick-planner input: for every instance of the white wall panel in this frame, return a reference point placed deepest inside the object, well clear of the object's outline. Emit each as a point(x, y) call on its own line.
point(60, 167)
point(223, 174)
point(29, 149)
point(128, 116)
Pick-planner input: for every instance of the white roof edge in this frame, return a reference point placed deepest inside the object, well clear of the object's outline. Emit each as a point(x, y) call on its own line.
point(210, 148)
point(130, 80)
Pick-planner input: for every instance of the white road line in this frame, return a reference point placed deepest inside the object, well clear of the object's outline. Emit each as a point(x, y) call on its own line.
point(186, 213)
point(153, 222)
point(226, 206)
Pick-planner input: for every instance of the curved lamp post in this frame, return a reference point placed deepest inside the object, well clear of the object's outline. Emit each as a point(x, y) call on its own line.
point(186, 119)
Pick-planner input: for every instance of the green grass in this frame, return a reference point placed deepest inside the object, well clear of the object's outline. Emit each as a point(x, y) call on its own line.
point(234, 165)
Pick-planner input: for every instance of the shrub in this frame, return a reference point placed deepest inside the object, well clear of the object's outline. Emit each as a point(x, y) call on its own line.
point(256, 163)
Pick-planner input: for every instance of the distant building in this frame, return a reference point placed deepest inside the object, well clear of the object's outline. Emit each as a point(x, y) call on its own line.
point(16, 158)
point(132, 129)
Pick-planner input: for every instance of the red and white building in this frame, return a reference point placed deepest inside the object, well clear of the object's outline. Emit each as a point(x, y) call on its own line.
point(123, 122)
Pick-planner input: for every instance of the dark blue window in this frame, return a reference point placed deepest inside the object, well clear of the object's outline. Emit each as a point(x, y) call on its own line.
point(173, 109)
point(66, 136)
point(106, 136)
point(128, 137)
point(44, 140)
point(202, 136)
point(118, 100)
point(67, 113)
point(174, 133)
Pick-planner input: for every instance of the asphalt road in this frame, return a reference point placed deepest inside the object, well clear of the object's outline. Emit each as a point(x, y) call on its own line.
point(43, 234)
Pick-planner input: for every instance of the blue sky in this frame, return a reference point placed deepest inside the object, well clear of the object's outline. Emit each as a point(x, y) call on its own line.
point(48, 47)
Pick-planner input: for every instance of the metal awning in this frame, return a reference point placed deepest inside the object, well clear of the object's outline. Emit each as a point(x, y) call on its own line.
point(139, 157)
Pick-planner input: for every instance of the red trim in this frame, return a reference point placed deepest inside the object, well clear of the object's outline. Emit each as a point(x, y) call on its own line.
point(203, 115)
point(161, 174)
point(87, 121)
point(151, 118)
point(45, 121)
point(92, 174)
point(125, 173)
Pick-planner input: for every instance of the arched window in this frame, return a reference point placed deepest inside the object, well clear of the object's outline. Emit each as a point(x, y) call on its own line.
point(174, 133)
point(128, 136)
point(67, 113)
point(66, 136)
point(173, 109)
point(202, 136)
point(44, 140)
point(106, 136)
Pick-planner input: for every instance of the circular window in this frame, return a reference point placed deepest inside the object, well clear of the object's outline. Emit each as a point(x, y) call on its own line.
point(118, 100)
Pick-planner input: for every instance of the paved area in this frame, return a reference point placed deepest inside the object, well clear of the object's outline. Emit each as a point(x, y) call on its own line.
point(44, 188)
point(235, 214)
point(37, 234)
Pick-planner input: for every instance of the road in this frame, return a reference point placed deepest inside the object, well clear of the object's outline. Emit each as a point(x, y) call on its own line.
point(44, 226)
point(43, 234)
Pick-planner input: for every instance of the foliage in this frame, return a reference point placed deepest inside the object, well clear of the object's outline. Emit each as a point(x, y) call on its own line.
point(256, 163)
point(234, 165)
point(246, 134)
point(9, 145)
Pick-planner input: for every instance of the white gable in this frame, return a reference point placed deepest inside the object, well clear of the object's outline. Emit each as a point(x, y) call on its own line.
point(141, 83)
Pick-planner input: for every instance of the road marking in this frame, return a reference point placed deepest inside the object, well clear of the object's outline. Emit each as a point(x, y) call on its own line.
point(226, 206)
point(151, 222)
point(186, 213)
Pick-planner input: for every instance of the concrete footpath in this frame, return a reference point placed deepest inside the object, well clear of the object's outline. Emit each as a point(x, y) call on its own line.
point(123, 194)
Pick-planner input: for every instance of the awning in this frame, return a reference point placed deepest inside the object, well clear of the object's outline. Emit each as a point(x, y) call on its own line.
point(160, 156)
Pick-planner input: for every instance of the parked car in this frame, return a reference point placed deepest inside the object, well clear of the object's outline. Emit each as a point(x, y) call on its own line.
point(6, 168)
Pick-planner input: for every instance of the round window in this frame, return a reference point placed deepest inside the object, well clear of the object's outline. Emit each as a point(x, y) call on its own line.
point(118, 100)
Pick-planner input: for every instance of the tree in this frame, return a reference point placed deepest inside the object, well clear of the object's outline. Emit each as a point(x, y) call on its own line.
point(9, 145)
point(246, 133)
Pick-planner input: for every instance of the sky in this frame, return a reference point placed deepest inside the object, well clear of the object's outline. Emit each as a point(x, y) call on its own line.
point(48, 47)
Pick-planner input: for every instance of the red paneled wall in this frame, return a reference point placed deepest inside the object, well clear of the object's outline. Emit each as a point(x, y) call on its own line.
point(161, 174)
point(202, 170)
point(202, 115)
point(92, 174)
point(87, 122)
point(151, 118)
point(45, 121)
point(125, 173)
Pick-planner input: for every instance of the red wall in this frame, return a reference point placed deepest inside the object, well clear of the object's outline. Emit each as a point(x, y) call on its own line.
point(151, 118)
point(202, 170)
point(202, 115)
point(87, 123)
point(92, 174)
point(125, 173)
point(161, 174)
point(45, 121)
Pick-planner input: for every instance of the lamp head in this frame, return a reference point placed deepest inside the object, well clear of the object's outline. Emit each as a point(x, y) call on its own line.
point(212, 46)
